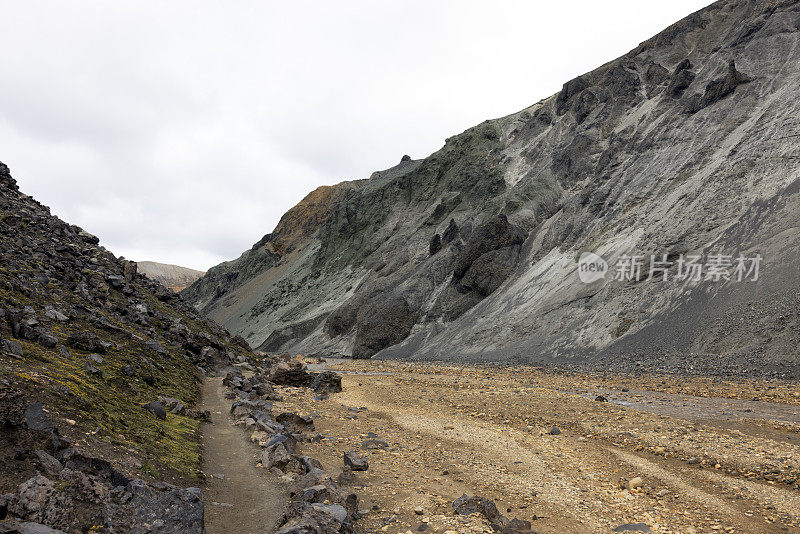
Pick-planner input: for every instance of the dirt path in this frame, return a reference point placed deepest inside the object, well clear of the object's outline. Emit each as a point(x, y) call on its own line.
point(454, 430)
point(239, 497)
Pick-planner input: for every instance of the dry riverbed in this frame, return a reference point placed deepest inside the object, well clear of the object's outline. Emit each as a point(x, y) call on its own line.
point(677, 455)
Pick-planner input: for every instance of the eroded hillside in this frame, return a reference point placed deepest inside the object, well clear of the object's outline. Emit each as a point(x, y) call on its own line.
point(686, 146)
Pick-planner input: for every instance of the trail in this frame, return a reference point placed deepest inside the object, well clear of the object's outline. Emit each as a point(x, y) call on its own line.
point(239, 497)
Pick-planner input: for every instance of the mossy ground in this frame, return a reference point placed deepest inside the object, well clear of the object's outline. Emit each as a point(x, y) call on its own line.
point(107, 409)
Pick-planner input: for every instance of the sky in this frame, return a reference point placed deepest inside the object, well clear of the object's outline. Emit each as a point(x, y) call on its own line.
point(180, 132)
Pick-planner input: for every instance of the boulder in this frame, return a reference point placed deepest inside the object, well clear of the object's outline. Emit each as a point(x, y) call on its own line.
point(355, 462)
point(327, 382)
point(12, 347)
point(157, 409)
point(86, 341)
point(476, 505)
point(290, 374)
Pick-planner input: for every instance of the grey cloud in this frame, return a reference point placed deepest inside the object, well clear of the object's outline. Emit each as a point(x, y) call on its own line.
point(182, 131)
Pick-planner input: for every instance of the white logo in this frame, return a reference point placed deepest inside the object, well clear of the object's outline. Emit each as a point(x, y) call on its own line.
point(591, 267)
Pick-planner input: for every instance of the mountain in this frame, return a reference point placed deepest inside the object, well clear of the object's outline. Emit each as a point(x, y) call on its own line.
point(687, 146)
point(99, 377)
point(172, 276)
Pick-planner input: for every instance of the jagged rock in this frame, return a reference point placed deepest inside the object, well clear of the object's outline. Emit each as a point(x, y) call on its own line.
point(656, 74)
point(568, 92)
point(240, 341)
point(47, 339)
point(682, 78)
point(296, 423)
point(327, 382)
point(36, 419)
point(719, 89)
point(56, 315)
point(450, 233)
point(51, 466)
point(175, 406)
point(275, 455)
point(435, 244)
point(92, 370)
point(86, 341)
point(129, 270)
point(290, 374)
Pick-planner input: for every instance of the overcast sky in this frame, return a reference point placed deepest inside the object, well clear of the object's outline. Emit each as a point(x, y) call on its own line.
point(180, 132)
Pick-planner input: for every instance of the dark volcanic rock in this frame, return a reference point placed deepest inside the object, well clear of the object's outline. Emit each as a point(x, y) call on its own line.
point(435, 244)
point(355, 462)
point(681, 79)
point(290, 374)
point(36, 419)
point(327, 382)
point(571, 89)
point(12, 347)
point(157, 409)
point(476, 505)
point(86, 341)
point(494, 234)
point(719, 89)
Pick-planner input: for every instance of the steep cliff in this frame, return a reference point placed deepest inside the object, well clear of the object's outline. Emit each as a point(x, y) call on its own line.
point(686, 146)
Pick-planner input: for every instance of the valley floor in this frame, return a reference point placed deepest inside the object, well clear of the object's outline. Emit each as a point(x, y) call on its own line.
point(711, 456)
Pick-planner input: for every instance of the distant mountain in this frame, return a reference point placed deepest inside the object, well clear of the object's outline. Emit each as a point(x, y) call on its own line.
point(171, 276)
point(687, 146)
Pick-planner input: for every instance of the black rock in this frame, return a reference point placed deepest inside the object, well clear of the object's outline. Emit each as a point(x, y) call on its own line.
point(355, 462)
point(12, 347)
point(682, 78)
point(471, 505)
point(86, 341)
point(450, 233)
point(36, 419)
point(435, 244)
point(46, 339)
point(327, 382)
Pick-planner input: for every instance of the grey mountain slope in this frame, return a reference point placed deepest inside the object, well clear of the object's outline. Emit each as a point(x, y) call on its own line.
point(670, 149)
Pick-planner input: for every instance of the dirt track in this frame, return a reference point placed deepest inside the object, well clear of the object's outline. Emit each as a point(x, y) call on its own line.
point(238, 496)
point(454, 430)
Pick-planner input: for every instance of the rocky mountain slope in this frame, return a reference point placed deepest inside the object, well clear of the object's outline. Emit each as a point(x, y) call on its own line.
point(99, 374)
point(173, 277)
point(686, 146)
